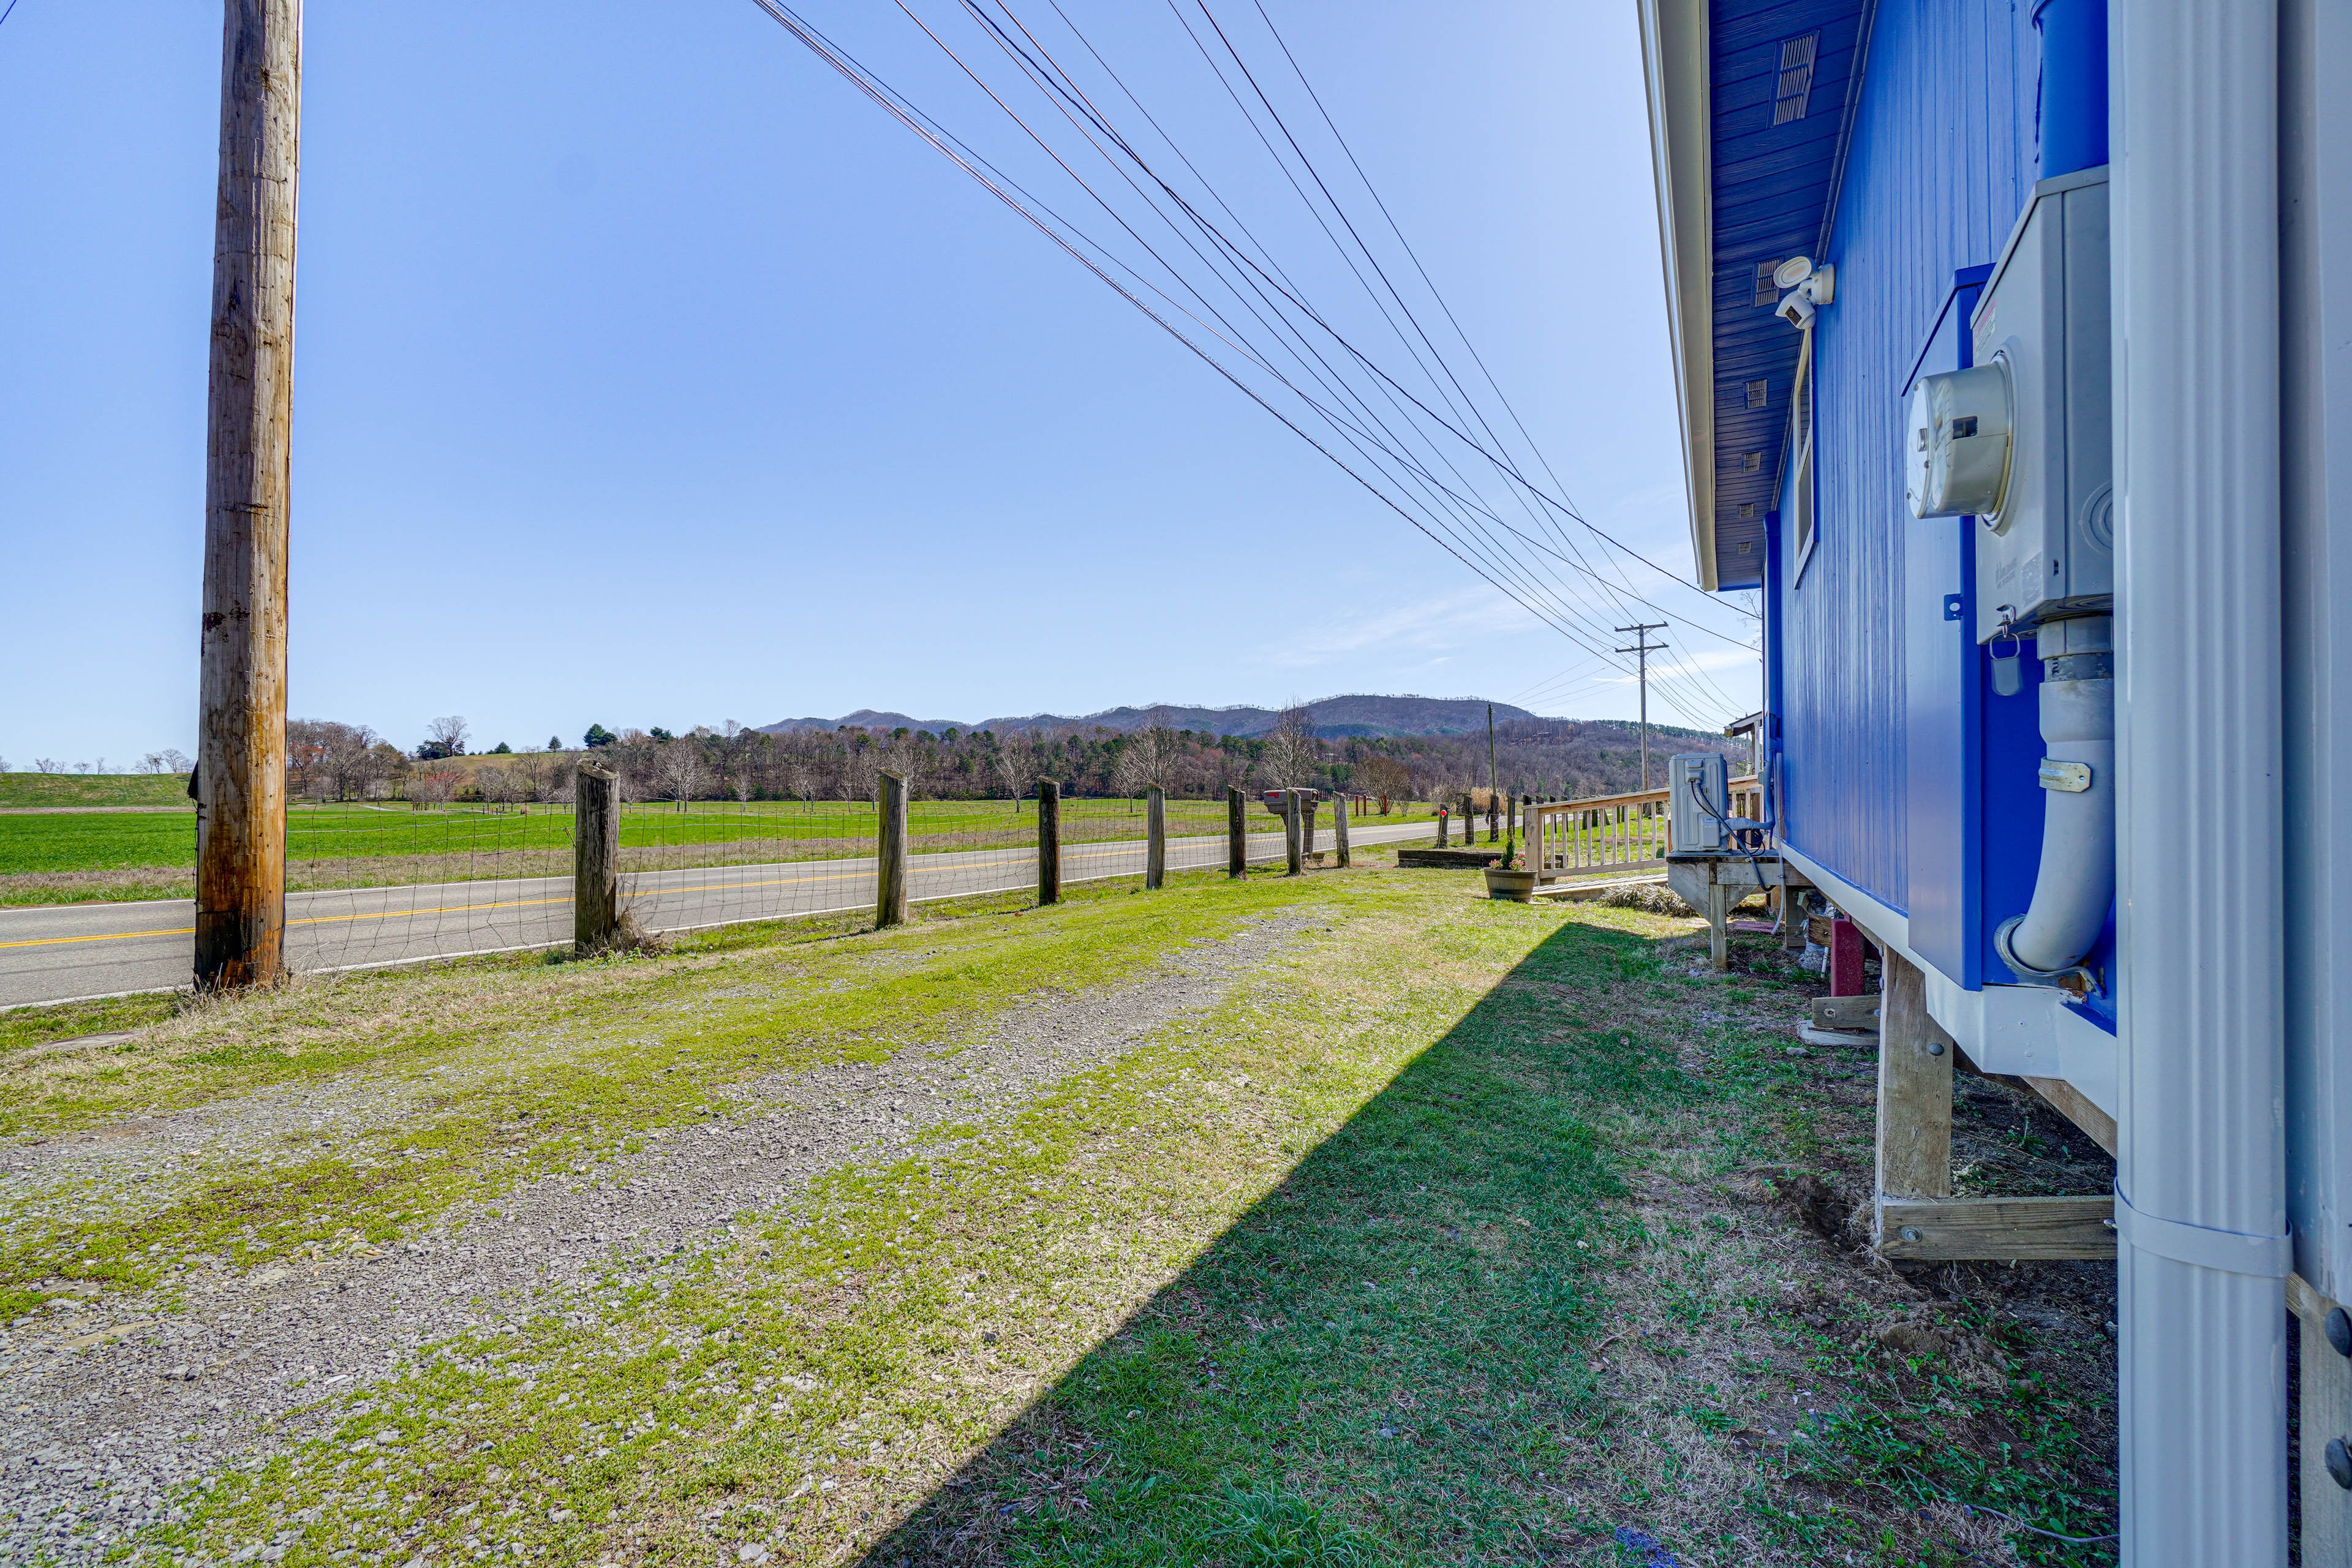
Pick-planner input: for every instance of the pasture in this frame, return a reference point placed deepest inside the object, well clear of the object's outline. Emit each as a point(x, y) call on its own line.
point(82, 856)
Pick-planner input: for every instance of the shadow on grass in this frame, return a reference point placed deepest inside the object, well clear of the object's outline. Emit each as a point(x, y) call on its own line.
point(1380, 1361)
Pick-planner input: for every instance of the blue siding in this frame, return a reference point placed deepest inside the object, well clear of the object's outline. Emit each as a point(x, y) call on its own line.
point(1940, 162)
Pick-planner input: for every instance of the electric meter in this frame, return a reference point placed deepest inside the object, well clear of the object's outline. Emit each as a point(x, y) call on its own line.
point(1958, 443)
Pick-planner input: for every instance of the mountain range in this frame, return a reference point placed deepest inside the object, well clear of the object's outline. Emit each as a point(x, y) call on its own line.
point(1333, 718)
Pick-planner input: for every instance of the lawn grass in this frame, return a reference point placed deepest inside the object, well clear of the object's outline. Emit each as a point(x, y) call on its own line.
point(24, 789)
point(68, 857)
point(1424, 1245)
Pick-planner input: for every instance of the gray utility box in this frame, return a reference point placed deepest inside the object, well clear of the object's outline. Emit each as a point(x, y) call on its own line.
point(1693, 829)
point(2047, 552)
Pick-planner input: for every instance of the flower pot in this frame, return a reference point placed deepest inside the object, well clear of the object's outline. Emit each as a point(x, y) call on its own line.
point(1517, 886)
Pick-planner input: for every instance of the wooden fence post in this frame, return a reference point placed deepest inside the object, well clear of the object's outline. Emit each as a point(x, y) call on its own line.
point(1236, 833)
point(1292, 842)
point(596, 860)
point(1340, 829)
point(1049, 842)
point(1914, 1092)
point(1309, 802)
point(1155, 839)
point(890, 851)
point(1440, 827)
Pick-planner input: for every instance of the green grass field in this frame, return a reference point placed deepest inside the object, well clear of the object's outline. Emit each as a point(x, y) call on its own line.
point(94, 789)
point(77, 857)
point(1442, 1237)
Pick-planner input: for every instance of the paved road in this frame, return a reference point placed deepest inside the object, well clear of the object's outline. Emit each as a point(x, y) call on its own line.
point(60, 951)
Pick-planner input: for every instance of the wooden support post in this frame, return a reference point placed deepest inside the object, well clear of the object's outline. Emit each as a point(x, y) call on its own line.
point(1440, 827)
point(1340, 829)
point(890, 851)
point(1155, 836)
point(596, 860)
point(1309, 803)
point(1941, 1230)
point(1719, 924)
point(1845, 959)
point(240, 925)
point(1914, 1096)
point(1236, 832)
point(2322, 1415)
point(1049, 842)
point(1293, 841)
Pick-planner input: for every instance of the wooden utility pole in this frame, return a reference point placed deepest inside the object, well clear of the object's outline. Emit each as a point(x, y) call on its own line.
point(1645, 648)
point(241, 684)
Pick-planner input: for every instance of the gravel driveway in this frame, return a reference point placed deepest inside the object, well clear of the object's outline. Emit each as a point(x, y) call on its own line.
point(114, 1404)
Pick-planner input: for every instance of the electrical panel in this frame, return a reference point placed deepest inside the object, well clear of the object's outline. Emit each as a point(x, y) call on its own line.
point(1698, 797)
point(2047, 550)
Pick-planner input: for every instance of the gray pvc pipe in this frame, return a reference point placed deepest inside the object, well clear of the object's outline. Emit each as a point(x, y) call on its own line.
point(2076, 882)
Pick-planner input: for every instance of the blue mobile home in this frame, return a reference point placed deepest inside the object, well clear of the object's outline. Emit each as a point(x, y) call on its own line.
point(2013, 348)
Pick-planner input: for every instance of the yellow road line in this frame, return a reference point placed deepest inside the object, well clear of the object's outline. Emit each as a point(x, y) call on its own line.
point(495, 904)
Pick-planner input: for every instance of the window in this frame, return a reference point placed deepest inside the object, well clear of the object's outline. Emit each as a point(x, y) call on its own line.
point(1766, 291)
point(1794, 87)
point(1800, 459)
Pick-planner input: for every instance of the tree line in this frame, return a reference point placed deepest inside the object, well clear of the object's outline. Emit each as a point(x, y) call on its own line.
point(329, 760)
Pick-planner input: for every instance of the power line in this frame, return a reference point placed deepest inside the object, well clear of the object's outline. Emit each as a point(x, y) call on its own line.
point(1452, 517)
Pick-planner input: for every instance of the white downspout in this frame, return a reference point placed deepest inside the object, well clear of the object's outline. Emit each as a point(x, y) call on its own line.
point(2200, 1210)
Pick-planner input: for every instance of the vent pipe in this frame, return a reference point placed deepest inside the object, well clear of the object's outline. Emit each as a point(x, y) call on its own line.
point(2202, 1253)
point(2072, 115)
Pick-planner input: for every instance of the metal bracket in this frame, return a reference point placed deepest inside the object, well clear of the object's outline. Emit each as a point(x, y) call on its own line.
point(2072, 777)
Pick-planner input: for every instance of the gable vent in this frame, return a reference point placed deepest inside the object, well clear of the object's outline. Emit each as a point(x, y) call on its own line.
point(1796, 81)
point(1751, 462)
point(1747, 514)
point(1766, 291)
point(1755, 394)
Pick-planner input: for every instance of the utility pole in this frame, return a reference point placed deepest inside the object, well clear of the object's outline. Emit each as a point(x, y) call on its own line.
point(1645, 648)
point(241, 684)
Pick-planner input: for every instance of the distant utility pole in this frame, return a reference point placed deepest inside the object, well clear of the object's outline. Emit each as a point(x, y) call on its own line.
point(1645, 648)
point(241, 684)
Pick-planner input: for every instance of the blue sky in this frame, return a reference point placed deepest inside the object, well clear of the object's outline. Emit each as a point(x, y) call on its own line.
point(648, 374)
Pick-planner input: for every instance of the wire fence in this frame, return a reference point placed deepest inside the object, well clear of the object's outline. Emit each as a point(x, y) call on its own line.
point(392, 882)
point(382, 881)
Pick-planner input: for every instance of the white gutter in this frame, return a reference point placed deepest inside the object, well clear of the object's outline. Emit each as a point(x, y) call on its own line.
point(1675, 70)
point(2201, 1204)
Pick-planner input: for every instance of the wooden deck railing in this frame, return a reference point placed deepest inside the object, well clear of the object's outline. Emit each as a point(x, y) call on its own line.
point(1614, 832)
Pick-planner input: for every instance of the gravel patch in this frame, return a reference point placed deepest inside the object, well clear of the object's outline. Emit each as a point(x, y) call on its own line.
point(113, 1404)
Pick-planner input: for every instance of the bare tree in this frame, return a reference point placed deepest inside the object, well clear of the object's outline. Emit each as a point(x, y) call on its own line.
point(495, 785)
point(446, 736)
point(430, 787)
point(177, 761)
point(1015, 762)
point(48, 765)
point(1291, 749)
point(678, 766)
point(861, 768)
